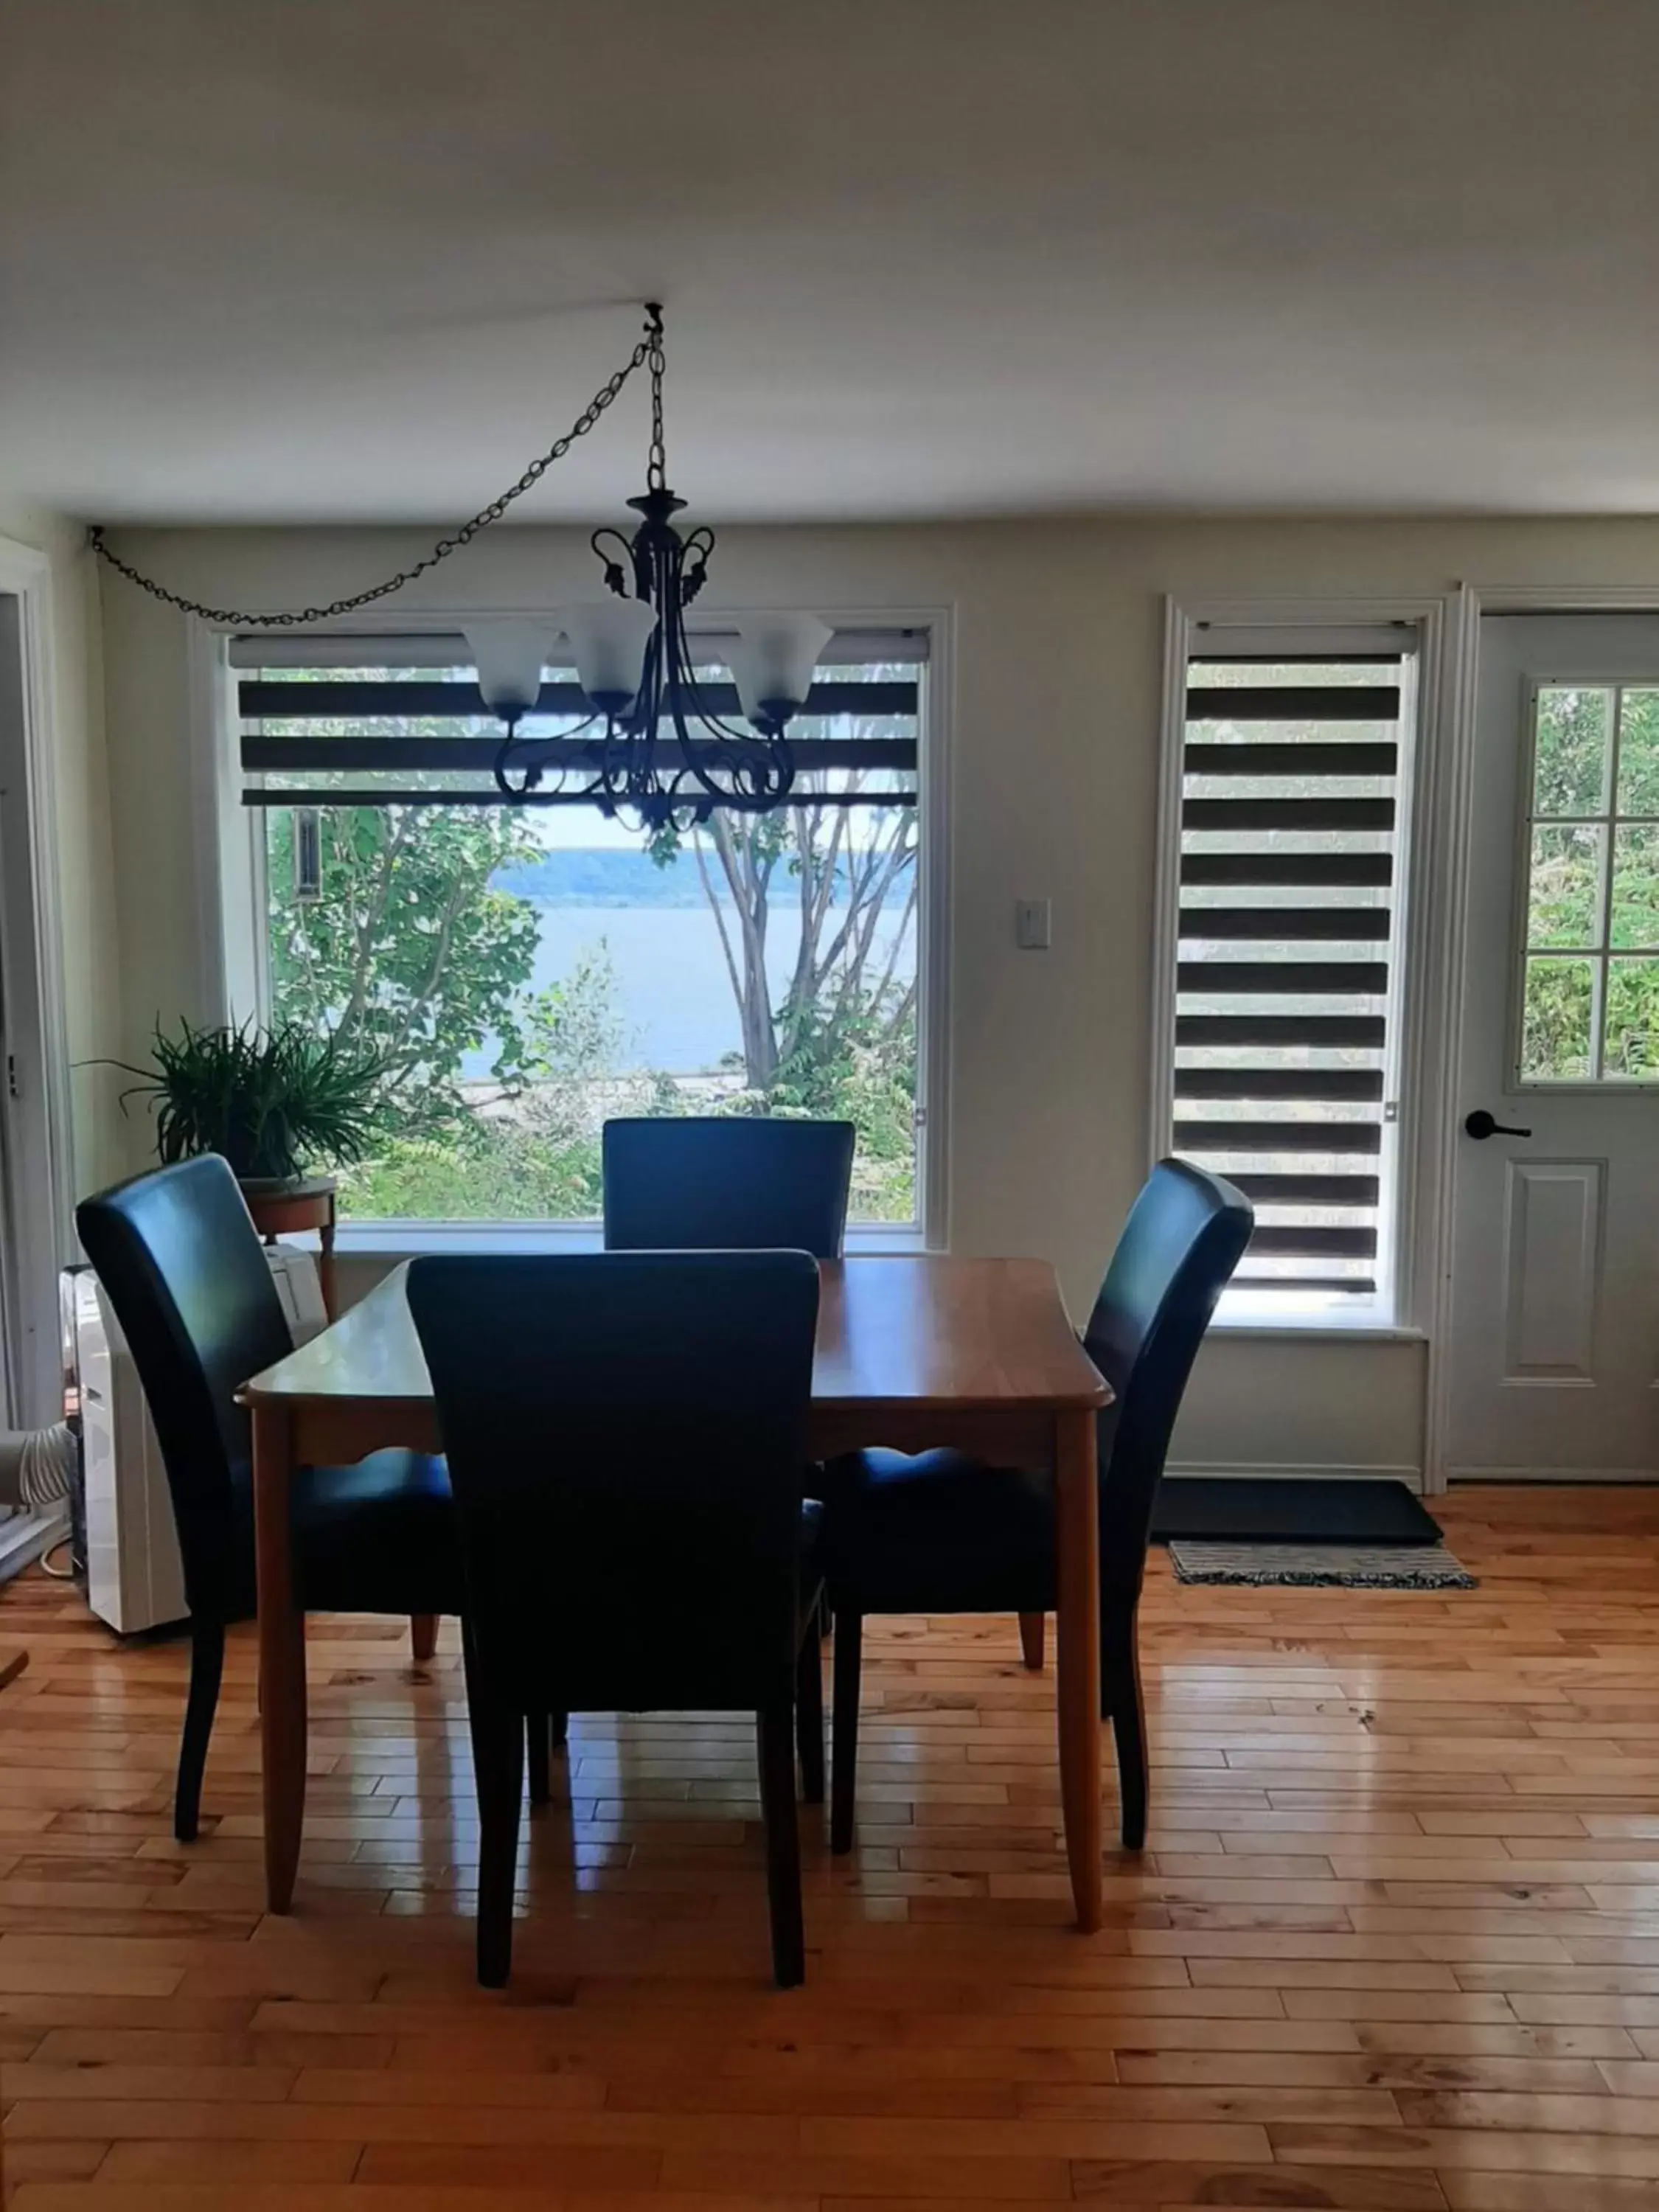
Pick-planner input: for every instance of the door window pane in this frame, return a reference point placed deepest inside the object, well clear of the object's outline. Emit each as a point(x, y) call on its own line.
point(1574, 739)
point(1632, 1022)
point(1592, 887)
point(1564, 892)
point(1639, 750)
point(1555, 1044)
point(1635, 922)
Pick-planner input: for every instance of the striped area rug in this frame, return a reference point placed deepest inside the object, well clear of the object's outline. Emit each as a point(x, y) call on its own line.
point(1347, 1566)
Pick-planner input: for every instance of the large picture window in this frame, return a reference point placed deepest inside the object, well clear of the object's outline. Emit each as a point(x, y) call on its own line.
point(527, 973)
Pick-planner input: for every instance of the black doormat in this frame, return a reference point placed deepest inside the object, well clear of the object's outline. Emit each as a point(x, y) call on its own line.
point(1288, 1509)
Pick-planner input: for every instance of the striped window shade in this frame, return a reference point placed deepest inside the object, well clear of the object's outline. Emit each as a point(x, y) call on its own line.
point(1285, 998)
point(356, 721)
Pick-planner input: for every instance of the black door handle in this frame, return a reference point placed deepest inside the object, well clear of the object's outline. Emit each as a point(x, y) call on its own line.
point(1481, 1124)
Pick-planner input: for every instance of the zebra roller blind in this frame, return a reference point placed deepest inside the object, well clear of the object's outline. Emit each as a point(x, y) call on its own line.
point(1284, 1045)
point(344, 720)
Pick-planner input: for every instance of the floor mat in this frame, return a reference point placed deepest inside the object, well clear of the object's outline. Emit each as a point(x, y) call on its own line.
point(1289, 1509)
point(1344, 1566)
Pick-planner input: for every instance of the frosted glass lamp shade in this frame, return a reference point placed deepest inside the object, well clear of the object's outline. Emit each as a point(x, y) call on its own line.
point(510, 652)
point(608, 639)
point(773, 662)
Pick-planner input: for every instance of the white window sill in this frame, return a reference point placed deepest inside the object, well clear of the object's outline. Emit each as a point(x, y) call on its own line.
point(405, 1240)
point(1356, 1329)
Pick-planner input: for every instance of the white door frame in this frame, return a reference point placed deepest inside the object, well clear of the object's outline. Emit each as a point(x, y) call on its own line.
point(1462, 673)
point(43, 1195)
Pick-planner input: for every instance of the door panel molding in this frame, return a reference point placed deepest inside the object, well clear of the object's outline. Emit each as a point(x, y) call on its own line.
point(1554, 1213)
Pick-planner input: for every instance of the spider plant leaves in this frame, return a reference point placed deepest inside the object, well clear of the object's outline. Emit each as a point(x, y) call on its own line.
point(274, 1101)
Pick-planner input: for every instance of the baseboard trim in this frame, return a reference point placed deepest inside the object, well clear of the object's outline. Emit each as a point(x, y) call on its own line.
point(1571, 1478)
point(1262, 1471)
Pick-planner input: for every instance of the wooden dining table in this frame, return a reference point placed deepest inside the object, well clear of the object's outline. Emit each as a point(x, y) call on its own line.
point(912, 1352)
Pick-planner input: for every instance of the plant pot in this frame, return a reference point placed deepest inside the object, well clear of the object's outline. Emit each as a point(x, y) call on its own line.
point(293, 1186)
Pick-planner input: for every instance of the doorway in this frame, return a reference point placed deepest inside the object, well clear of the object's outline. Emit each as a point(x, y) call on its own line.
point(1554, 1347)
point(36, 1171)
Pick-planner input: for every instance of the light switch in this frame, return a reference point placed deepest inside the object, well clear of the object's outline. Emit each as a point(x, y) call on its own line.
point(1032, 924)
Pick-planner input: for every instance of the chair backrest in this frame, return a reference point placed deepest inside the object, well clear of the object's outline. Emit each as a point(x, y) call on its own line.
point(627, 1438)
point(1179, 1247)
point(183, 1268)
point(727, 1182)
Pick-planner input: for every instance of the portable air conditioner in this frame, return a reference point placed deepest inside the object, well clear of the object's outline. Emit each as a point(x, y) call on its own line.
point(130, 1547)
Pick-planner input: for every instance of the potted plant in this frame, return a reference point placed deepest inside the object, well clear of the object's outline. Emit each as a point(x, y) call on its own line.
point(276, 1102)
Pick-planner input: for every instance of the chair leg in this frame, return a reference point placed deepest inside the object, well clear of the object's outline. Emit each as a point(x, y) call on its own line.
point(774, 1743)
point(498, 1736)
point(558, 1729)
point(809, 1713)
point(1121, 1700)
point(207, 1665)
point(844, 1730)
point(1031, 1627)
point(423, 1636)
point(538, 1739)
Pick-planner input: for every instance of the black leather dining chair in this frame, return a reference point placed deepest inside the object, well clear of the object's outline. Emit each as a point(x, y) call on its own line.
point(186, 1276)
point(941, 1532)
point(626, 1434)
point(727, 1182)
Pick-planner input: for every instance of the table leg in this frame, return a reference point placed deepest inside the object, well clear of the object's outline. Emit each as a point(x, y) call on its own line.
point(1077, 1694)
point(281, 1657)
point(326, 1265)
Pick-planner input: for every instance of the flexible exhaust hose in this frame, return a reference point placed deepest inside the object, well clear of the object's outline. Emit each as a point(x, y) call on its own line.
point(36, 1466)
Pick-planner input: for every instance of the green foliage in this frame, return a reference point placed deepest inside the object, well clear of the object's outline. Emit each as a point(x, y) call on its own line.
point(1632, 1020)
point(273, 1103)
point(488, 1170)
point(1571, 750)
point(1635, 921)
point(534, 1154)
point(1573, 870)
point(1639, 752)
point(1556, 1028)
point(416, 953)
point(1564, 907)
point(409, 952)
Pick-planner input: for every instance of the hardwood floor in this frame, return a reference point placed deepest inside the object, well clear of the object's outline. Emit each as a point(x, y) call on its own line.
point(1394, 1945)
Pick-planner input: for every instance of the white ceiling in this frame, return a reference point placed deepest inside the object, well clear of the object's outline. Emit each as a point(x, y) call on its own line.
point(358, 259)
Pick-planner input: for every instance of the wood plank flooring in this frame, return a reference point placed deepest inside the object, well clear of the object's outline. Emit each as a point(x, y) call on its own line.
point(1393, 1946)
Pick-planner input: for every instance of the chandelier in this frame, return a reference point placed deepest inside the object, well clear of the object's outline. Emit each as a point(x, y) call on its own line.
point(665, 755)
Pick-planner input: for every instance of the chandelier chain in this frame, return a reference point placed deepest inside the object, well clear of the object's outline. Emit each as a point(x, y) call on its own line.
point(648, 351)
point(656, 474)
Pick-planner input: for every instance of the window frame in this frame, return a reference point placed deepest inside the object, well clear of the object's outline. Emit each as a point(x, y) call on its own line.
point(1305, 629)
point(1594, 1085)
point(236, 980)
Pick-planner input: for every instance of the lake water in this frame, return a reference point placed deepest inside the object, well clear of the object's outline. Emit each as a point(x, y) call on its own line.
point(674, 993)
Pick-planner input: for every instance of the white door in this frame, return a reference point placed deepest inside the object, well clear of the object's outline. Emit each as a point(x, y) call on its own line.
point(1554, 1347)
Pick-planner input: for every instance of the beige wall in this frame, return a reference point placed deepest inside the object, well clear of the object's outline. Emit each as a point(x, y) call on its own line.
point(85, 855)
point(1054, 757)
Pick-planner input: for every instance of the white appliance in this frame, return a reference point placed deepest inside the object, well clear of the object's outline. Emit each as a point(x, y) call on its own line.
point(134, 1578)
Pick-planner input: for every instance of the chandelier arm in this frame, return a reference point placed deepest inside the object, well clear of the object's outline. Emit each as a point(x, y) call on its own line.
point(763, 771)
point(498, 769)
point(615, 569)
point(649, 349)
point(748, 738)
point(534, 772)
point(680, 691)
